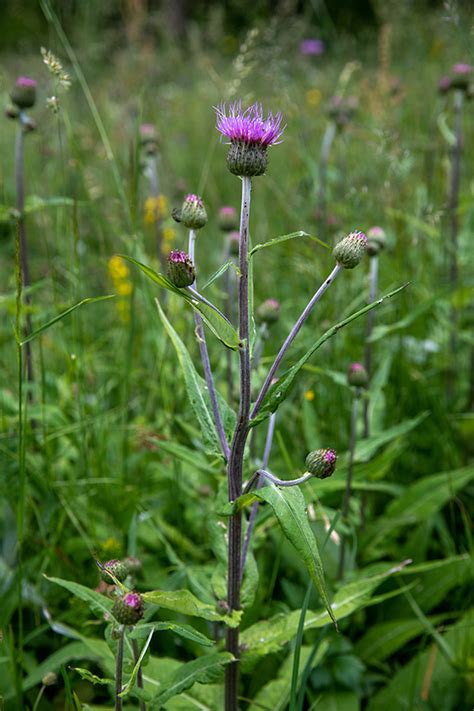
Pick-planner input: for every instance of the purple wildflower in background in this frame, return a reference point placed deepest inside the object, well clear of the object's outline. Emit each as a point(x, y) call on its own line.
point(461, 68)
point(312, 47)
point(24, 92)
point(444, 84)
point(249, 134)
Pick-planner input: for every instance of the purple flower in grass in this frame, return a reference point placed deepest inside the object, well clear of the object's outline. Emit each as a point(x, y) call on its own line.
point(312, 47)
point(461, 76)
point(181, 270)
point(24, 92)
point(250, 134)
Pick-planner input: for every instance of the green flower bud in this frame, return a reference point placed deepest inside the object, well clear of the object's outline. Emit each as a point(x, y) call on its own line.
point(24, 93)
point(350, 250)
point(234, 243)
point(193, 214)
point(321, 463)
point(376, 240)
point(180, 269)
point(49, 679)
point(118, 569)
point(133, 564)
point(247, 159)
point(357, 375)
point(228, 220)
point(269, 311)
point(128, 610)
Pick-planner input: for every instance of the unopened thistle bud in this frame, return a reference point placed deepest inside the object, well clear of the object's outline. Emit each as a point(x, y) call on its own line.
point(342, 109)
point(357, 375)
point(228, 219)
point(148, 138)
point(444, 84)
point(321, 463)
point(376, 240)
point(192, 214)
point(49, 679)
point(350, 250)
point(117, 568)
point(250, 135)
point(269, 311)
point(181, 270)
point(128, 610)
point(24, 93)
point(234, 242)
point(461, 75)
point(133, 564)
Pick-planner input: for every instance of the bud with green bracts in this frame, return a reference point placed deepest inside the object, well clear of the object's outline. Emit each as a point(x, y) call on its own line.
point(321, 463)
point(23, 94)
point(117, 568)
point(181, 270)
point(128, 610)
point(357, 375)
point(350, 250)
point(192, 213)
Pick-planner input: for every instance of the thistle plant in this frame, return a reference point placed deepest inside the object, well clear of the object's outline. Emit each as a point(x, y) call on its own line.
point(357, 379)
point(250, 134)
point(23, 97)
point(149, 159)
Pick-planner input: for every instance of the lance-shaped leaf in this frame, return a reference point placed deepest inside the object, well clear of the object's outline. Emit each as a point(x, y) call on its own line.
point(196, 388)
point(185, 631)
point(55, 319)
point(278, 392)
point(97, 603)
point(186, 603)
point(203, 671)
point(285, 238)
point(289, 506)
point(212, 317)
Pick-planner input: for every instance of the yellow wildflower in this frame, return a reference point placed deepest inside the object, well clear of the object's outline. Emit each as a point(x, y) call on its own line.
point(117, 268)
point(313, 97)
point(309, 395)
point(124, 288)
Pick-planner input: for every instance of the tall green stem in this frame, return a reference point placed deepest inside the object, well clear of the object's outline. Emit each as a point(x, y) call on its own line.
point(119, 670)
point(350, 469)
point(236, 458)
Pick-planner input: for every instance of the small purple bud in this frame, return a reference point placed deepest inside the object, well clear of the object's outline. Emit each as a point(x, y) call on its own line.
point(357, 375)
point(269, 311)
point(181, 270)
point(149, 138)
point(350, 250)
point(234, 243)
point(117, 568)
point(312, 47)
point(227, 219)
point(128, 610)
point(192, 214)
point(321, 463)
point(376, 240)
point(24, 92)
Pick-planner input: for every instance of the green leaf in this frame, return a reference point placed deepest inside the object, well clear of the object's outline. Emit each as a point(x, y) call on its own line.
point(419, 501)
point(203, 670)
point(414, 221)
point(212, 317)
point(186, 603)
point(195, 386)
point(285, 238)
point(45, 326)
point(270, 635)
point(93, 678)
point(384, 330)
point(133, 676)
point(230, 264)
point(280, 390)
point(366, 448)
point(98, 603)
point(384, 639)
point(289, 506)
point(339, 701)
point(185, 631)
point(33, 203)
point(71, 652)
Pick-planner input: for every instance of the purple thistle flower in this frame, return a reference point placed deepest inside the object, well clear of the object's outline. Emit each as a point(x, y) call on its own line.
point(312, 47)
point(180, 270)
point(249, 134)
point(26, 81)
point(330, 456)
point(228, 218)
point(357, 375)
point(321, 463)
point(444, 84)
point(249, 126)
point(133, 600)
point(461, 68)
point(191, 198)
point(24, 92)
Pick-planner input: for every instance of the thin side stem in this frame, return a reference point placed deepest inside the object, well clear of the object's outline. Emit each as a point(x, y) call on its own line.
point(374, 268)
point(236, 459)
point(136, 656)
point(326, 144)
point(229, 288)
point(24, 262)
point(453, 229)
point(207, 364)
point(291, 337)
point(254, 509)
point(350, 469)
point(119, 669)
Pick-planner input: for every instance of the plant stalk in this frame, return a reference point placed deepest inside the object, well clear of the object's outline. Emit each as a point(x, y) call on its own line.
point(291, 337)
point(24, 263)
point(136, 656)
point(326, 144)
point(152, 172)
point(453, 230)
point(374, 268)
point(201, 337)
point(119, 670)
point(236, 459)
point(350, 469)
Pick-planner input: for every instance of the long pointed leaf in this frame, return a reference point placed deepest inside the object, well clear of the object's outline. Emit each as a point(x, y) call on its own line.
point(212, 317)
point(186, 603)
point(285, 238)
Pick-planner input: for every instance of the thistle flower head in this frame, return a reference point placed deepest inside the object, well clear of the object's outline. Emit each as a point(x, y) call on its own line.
point(148, 138)
point(228, 218)
point(192, 213)
point(357, 375)
point(376, 240)
point(269, 311)
point(249, 134)
point(128, 610)
point(117, 568)
point(350, 250)
point(461, 75)
point(461, 68)
point(24, 92)
point(181, 270)
point(321, 463)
